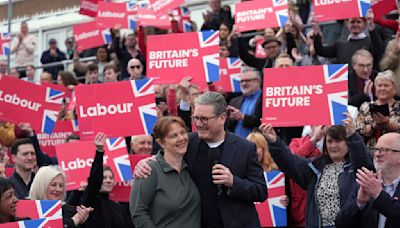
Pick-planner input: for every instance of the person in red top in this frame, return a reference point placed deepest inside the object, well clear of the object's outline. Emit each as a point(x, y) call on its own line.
point(308, 147)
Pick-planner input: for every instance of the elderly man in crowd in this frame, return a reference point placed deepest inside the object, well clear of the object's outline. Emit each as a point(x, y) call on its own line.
point(135, 69)
point(142, 144)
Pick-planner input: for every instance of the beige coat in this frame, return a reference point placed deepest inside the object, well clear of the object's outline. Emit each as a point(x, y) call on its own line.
point(391, 61)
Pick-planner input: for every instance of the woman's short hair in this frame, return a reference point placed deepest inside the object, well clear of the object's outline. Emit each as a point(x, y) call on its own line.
point(67, 78)
point(107, 168)
point(163, 125)
point(5, 185)
point(386, 75)
point(42, 181)
point(336, 132)
point(267, 162)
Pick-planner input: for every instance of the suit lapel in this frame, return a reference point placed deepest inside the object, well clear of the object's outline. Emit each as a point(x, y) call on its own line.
point(230, 148)
point(193, 149)
point(396, 196)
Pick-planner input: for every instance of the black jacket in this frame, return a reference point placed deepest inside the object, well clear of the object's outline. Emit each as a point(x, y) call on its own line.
point(47, 58)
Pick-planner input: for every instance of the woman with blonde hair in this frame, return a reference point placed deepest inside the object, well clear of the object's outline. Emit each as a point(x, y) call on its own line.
point(49, 184)
point(264, 157)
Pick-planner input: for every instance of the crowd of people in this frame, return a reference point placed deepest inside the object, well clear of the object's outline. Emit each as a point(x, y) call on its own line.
point(210, 149)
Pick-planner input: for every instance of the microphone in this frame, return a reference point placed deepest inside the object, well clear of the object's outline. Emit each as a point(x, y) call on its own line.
point(215, 155)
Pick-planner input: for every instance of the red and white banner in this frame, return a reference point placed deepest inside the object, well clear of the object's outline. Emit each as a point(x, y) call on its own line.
point(122, 190)
point(76, 159)
point(147, 17)
point(229, 75)
point(5, 39)
point(62, 131)
point(328, 10)
point(253, 15)
point(25, 102)
point(67, 92)
point(196, 55)
point(43, 223)
point(163, 6)
point(87, 35)
point(117, 109)
point(298, 96)
point(182, 16)
point(382, 7)
point(111, 14)
point(89, 7)
point(260, 52)
point(37, 209)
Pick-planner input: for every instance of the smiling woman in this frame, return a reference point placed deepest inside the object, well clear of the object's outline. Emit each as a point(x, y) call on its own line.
point(8, 202)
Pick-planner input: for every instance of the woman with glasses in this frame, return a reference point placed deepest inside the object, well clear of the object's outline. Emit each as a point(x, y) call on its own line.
point(168, 197)
point(329, 179)
point(372, 124)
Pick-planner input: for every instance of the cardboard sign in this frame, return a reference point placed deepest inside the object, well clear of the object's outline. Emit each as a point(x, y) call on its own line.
point(110, 14)
point(182, 16)
point(62, 131)
point(163, 6)
point(43, 223)
point(382, 7)
point(25, 102)
point(67, 92)
point(76, 159)
point(255, 15)
point(229, 75)
point(196, 55)
point(298, 96)
point(271, 212)
point(37, 209)
point(5, 39)
point(87, 35)
point(328, 10)
point(147, 17)
point(89, 7)
point(122, 190)
point(260, 52)
point(117, 109)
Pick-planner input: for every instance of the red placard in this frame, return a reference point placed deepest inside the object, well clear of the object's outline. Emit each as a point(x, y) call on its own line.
point(89, 7)
point(196, 55)
point(163, 6)
point(254, 15)
point(117, 109)
point(298, 96)
point(382, 7)
point(37, 209)
point(76, 159)
point(122, 190)
point(328, 10)
point(5, 39)
point(25, 102)
point(62, 131)
point(147, 17)
point(87, 35)
point(229, 75)
point(44, 223)
point(67, 92)
point(111, 14)
point(260, 52)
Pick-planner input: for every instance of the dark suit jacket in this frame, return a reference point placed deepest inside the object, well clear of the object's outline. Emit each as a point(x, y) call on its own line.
point(250, 121)
point(240, 156)
point(352, 217)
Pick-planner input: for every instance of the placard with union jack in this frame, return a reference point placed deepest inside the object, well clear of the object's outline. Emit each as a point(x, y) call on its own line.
point(229, 75)
point(317, 94)
point(76, 160)
point(335, 10)
point(117, 109)
point(5, 39)
point(25, 102)
point(36, 223)
point(254, 15)
point(195, 55)
point(37, 209)
point(87, 35)
point(271, 212)
point(110, 14)
point(163, 6)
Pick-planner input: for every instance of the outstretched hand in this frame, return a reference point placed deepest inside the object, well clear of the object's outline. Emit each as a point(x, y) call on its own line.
point(99, 141)
point(268, 131)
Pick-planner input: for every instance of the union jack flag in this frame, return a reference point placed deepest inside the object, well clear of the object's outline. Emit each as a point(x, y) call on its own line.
point(281, 11)
point(143, 89)
point(337, 100)
point(229, 74)
point(37, 223)
point(363, 7)
point(186, 25)
point(210, 39)
point(54, 96)
point(106, 35)
point(5, 39)
point(49, 121)
point(271, 212)
point(120, 162)
point(75, 125)
point(38, 209)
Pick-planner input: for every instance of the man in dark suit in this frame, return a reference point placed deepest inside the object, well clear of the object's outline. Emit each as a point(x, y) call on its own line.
point(245, 111)
point(376, 203)
point(228, 189)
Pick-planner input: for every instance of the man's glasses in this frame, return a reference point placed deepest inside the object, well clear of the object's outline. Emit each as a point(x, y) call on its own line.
point(247, 80)
point(135, 66)
point(384, 150)
point(203, 119)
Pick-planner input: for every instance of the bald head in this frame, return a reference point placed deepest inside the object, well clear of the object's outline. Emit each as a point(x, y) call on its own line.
point(142, 144)
point(134, 68)
point(45, 77)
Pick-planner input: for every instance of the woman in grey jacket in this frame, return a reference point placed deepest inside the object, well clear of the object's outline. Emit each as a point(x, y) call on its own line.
point(329, 179)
